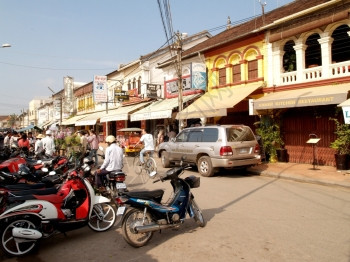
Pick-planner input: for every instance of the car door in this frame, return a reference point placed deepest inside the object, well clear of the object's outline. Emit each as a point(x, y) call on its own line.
point(178, 147)
point(194, 141)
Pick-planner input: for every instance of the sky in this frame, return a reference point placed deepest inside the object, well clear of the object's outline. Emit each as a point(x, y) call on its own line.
point(51, 39)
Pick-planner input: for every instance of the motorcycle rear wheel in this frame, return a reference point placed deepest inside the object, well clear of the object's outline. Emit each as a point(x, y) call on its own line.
point(102, 218)
point(198, 216)
point(132, 219)
point(10, 245)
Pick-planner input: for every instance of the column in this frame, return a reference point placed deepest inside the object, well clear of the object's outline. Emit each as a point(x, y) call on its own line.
point(326, 53)
point(300, 56)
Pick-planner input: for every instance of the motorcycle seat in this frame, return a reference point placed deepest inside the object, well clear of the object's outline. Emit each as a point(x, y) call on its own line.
point(42, 191)
point(24, 186)
point(155, 195)
point(114, 174)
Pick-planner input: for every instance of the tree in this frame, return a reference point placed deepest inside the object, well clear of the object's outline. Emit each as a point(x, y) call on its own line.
point(12, 120)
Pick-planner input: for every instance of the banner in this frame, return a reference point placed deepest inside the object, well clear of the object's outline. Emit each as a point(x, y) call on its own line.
point(199, 76)
point(100, 89)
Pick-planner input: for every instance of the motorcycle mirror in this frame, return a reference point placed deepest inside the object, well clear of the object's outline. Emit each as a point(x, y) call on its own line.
point(153, 174)
point(45, 169)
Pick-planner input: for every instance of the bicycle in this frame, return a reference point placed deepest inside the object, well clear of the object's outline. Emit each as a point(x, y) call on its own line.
point(148, 166)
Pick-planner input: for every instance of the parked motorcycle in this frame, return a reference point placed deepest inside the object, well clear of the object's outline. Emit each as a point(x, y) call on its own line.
point(147, 214)
point(26, 219)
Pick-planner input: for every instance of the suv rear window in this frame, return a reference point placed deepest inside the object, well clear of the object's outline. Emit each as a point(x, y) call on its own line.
point(239, 134)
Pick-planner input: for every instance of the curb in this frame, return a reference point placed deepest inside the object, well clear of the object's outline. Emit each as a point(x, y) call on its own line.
point(299, 178)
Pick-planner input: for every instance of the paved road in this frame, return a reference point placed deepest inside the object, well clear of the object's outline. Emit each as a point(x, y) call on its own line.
point(250, 218)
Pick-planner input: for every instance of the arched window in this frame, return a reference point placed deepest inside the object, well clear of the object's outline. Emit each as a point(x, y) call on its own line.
point(289, 57)
point(134, 83)
point(313, 51)
point(341, 44)
point(129, 85)
point(252, 64)
point(222, 76)
point(139, 85)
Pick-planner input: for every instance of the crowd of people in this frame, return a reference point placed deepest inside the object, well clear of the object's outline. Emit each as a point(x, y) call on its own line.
point(44, 143)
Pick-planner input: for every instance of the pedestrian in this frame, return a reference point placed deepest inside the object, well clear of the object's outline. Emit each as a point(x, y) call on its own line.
point(94, 143)
point(48, 143)
point(23, 143)
point(160, 137)
point(171, 133)
point(38, 147)
point(7, 139)
point(31, 139)
point(113, 162)
point(147, 140)
point(14, 140)
point(83, 141)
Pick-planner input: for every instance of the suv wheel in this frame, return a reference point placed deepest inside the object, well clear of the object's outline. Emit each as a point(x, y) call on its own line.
point(205, 167)
point(165, 160)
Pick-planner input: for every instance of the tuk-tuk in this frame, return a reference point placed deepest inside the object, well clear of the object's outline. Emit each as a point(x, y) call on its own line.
point(128, 137)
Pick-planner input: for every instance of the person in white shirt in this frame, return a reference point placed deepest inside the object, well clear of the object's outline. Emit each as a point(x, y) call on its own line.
point(14, 140)
point(7, 139)
point(49, 143)
point(113, 161)
point(39, 148)
point(147, 140)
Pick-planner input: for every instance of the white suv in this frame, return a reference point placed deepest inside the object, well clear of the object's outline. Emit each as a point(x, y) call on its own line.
point(212, 147)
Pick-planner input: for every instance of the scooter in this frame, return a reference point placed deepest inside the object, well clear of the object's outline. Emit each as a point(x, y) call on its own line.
point(28, 218)
point(143, 213)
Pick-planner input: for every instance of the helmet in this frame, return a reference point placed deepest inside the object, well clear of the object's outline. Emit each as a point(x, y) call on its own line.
point(48, 132)
point(110, 139)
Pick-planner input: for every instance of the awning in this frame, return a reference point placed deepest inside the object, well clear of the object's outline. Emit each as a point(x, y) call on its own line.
point(216, 102)
point(28, 128)
point(91, 119)
point(345, 103)
point(159, 109)
point(72, 120)
point(122, 113)
point(313, 96)
point(46, 124)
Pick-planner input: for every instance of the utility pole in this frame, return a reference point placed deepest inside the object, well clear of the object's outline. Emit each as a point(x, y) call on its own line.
point(179, 75)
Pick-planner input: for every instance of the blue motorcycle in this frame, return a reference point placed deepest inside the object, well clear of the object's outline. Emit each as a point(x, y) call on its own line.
point(146, 214)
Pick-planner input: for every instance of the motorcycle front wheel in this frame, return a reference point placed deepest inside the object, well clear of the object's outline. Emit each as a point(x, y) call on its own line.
point(198, 216)
point(15, 246)
point(102, 218)
point(134, 218)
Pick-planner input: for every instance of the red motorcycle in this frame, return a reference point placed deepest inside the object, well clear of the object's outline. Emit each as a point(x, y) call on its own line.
point(27, 218)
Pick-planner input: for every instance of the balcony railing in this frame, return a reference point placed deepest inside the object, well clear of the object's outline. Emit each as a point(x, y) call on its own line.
point(315, 73)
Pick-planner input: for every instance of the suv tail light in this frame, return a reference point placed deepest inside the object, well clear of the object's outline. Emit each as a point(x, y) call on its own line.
point(257, 149)
point(226, 151)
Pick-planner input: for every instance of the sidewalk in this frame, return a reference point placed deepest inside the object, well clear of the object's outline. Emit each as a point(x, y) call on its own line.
point(322, 175)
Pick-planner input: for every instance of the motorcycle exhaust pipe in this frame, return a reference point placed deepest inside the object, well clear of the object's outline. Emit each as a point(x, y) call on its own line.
point(152, 227)
point(26, 233)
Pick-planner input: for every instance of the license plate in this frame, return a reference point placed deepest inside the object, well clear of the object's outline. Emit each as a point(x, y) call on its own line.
point(244, 150)
point(120, 211)
point(121, 186)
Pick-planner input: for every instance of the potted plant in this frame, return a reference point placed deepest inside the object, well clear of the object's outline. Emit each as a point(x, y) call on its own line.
point(341, 144)
point(269, 132)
